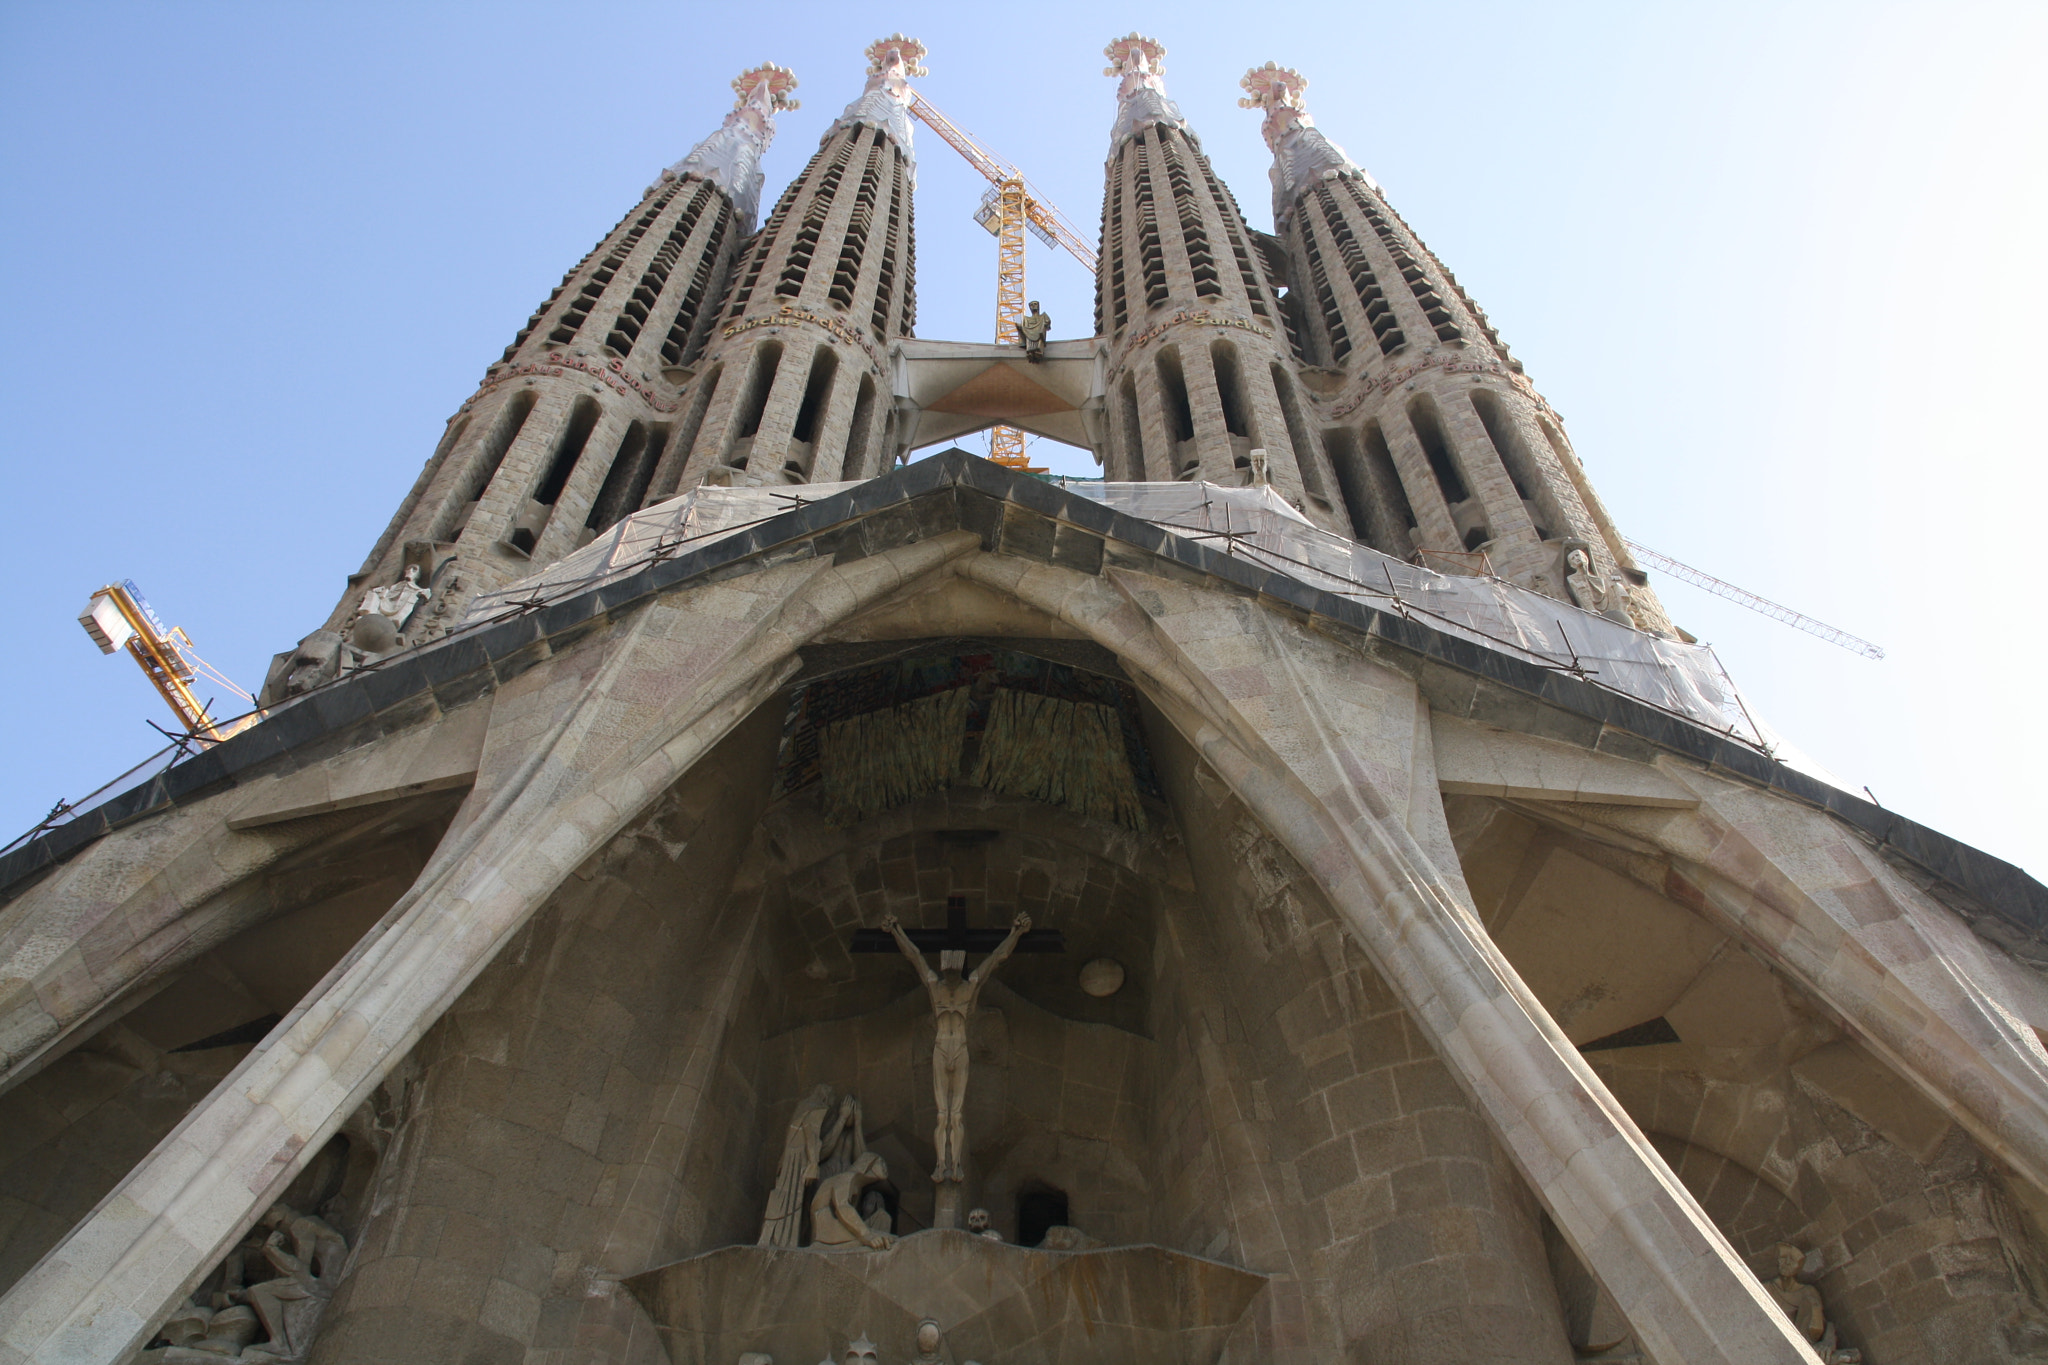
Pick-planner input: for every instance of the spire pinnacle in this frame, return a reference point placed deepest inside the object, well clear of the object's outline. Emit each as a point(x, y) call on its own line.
point(1301, 151)
point(1139, 63)
point(731, 157)
point(892, 61)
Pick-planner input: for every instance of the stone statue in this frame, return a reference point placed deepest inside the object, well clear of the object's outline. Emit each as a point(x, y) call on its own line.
point(928, 1341)
point(802, 1148)
point(317, 660)
point(953, 998)
point(384, 612)
point(1802, 1304)
point(1598, 593)
point(861, 1352)
point(836, 1222)
point(1259, 470)
point(844, 1139)
point(978, 1224)
point(1031, 330)
point(307, 1252)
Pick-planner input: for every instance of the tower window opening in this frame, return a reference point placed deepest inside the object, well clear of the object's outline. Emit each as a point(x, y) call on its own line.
point(1379, 314)
point(1151, 254)
point(625, 483)
point(678, 348)
point(1133, 431)
point(593, 289)
point(853, 460)
point(885, 282)
point(1230, 388)
point(686, 437)
point(1173, 387)
point(1410, 269)
point(763, 241)
point(1521, 463)
point(510, 421)
point(1305, 461)
point(907, 323)
point(1040, 1208)
point(767, 360)
point(1385, 476)
point(646, 296)
point(1375, 518)
point(1430, 432)
point(1332, 315)
point(854, 244)
point(1193, 236)
point(1477, 537)
point(533, 520)
point(817, 392)
point(1233, 227)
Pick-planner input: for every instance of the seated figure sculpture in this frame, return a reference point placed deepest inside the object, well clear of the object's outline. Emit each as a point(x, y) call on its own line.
point(1802, 1303)
point(836, 1221)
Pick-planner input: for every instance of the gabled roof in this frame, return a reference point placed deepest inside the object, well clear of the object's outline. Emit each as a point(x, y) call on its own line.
point(1017, 514)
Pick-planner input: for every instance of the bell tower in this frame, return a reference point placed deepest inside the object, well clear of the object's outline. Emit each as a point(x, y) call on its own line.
point(794, 387)
point(1442, 448)
point(1200, 371)
point(566, 433)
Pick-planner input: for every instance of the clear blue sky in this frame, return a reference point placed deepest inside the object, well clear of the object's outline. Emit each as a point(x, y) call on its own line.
point(1778, 265)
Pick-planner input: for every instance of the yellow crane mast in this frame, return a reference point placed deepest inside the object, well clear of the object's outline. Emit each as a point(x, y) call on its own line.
point(1012, 206)
point(118, 615)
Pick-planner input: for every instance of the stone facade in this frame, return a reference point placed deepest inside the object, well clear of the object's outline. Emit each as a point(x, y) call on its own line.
point(1382, 990)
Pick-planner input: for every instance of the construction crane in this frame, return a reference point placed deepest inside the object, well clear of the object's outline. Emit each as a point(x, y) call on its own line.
point(118, 615)
point(1011, 207)
point(1700, 578)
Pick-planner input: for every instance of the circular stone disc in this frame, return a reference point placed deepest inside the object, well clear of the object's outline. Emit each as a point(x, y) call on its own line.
point(1102, 977)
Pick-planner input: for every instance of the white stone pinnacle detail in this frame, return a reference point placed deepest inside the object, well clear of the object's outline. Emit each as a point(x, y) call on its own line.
point(731, 157)
point(885, 103)
point(1140, 64)
point(1302, 153)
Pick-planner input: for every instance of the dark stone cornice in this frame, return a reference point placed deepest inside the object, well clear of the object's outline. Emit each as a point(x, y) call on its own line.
point(1019, 515)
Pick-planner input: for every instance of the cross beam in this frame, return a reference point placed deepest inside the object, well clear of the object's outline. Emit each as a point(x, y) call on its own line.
point(957, 937)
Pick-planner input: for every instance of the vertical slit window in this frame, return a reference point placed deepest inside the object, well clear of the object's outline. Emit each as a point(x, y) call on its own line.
point(1430, 432)
point(510, 421)
point(1230, 389)
point(1174, 388)
point(686, 435)
point(1335, 333)
point(1531, 487)
point(677, 349)
point(885, 282)
point(1133, 431)
point(1194, 236)
point(817, 393)
point(586, 298)
point(767, 359)
point(1298, 436)
point(1233, 226)
point(796, 264)
point(853, 459)
point(625, 483)
point(854, 245)
point(764, 240)
point(1365, 285)
point(1151, 255)
point(646, 295)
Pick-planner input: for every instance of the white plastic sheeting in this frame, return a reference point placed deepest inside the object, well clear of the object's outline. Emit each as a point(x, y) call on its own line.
point(1258, 525)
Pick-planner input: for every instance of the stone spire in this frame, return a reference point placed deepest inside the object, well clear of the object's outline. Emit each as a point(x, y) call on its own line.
point(885, 103)
point(566, 434)
point(1139, 63)
point(1301, 151)
point(1442, 449)
point(731, 157)
point(794, 384)
point(1201, 372)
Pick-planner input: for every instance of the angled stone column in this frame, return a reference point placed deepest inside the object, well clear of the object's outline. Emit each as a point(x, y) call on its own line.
point(1294, 733)
point(573, 753)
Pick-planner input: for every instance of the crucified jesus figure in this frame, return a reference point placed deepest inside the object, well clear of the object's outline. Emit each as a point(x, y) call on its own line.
point(953, 997)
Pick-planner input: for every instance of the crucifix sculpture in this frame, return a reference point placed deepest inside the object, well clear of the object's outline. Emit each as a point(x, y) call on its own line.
point(953, 993)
